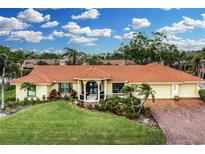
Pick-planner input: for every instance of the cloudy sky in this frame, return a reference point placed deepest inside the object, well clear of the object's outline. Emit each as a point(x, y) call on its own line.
point(98, 30)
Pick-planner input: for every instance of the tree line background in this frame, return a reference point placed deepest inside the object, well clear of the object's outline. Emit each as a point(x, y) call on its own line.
point(141, 49)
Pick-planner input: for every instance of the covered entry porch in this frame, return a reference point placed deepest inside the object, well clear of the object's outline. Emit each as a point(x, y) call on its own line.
point(91, 90)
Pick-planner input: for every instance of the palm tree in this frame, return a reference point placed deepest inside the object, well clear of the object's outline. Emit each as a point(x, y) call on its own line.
point(145, 90)
point(129, 91)
point(75, 56)
point(27, 86)
point(196, 63)
point(4, 57)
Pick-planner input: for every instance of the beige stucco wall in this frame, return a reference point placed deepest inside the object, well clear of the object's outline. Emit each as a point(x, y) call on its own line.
point(109, 87)
point(188, 90)
point(52, 87)
point(75, 87)
point(20, 93)
point(41, 90)
point(163, 91)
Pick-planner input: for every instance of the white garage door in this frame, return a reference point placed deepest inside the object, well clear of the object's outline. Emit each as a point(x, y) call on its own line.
point(162, 91)
point(188, 90)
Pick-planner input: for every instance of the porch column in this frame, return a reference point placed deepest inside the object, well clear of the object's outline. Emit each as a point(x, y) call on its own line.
point(84, 86)
point(78, 89)
point(98, 82)
point(105, 89)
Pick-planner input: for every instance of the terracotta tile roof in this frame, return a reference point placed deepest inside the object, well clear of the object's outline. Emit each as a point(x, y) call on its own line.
point(31, 63)
point(33, 78)
point(92, 72)
point(159, 73)
point(125, 73)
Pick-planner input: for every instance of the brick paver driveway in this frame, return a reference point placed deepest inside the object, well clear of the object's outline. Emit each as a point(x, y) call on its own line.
point(183, 122)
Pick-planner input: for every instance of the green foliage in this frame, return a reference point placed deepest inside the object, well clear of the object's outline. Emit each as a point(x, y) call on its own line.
point(146, 112)
point(10, 104)
point(120, 106)
point(74, 57)
point(41, 63)
point(10, 111)
point(202, 94)
point(27, 85)
point(38, 101)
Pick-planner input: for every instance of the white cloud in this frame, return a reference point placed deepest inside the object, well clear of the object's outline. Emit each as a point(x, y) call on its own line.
point(100, 32)
point(57, 34)
point(9, 24)
point(69, 35)
point(90, 44)
point(50, 24)
point(138, 23)
point(166, 9)
point(185, 25)
point(4, 33)
point(32, 15)
point(90, 14)
point(74, 28)
point(28, 36)
point(185, 44)
point(118, 37)
point(125, 36)
point(126, 29)
point(82, 40)
point(128, 35)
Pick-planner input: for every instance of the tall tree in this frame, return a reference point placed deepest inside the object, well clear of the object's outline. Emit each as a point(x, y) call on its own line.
point(74, 56)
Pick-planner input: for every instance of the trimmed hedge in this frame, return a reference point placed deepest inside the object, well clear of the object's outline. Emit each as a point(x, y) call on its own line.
point(202, 94)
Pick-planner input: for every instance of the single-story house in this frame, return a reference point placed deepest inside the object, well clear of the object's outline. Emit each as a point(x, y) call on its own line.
point(93, 83)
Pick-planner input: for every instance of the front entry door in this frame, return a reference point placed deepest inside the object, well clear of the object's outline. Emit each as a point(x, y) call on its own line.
point(92, 87)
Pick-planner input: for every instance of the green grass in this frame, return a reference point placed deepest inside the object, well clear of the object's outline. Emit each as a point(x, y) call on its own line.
point(61, 123)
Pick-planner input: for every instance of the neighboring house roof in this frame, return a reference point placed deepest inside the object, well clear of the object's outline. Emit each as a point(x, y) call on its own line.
point(117, 62)
point(31, 63)
point(124, 73)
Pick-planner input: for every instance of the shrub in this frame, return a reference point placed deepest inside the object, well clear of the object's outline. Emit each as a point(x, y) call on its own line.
point(176, 98)
point(202, 94)
point(80, 103)
point(73, 93)
point(38, 101)
point(54, 95)
point(26, 101)
point(147, 112)
point(33, 101)
point(120, 106)
point(10, 111)
point(10, 104)
point(66, 98)
point(18, 102)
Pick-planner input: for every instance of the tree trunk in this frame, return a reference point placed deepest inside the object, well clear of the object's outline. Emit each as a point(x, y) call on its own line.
point(2, 90)
point(133, 107)
point(141, 106)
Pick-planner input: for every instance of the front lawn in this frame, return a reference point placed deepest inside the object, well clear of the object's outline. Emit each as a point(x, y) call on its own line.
point(61, 123)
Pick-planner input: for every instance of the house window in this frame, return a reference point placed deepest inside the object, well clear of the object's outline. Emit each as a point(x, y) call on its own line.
point(117, 87)
point(65, 87)
point(31, 92)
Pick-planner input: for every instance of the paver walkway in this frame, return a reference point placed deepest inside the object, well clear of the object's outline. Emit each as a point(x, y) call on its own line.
point(183, 121)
